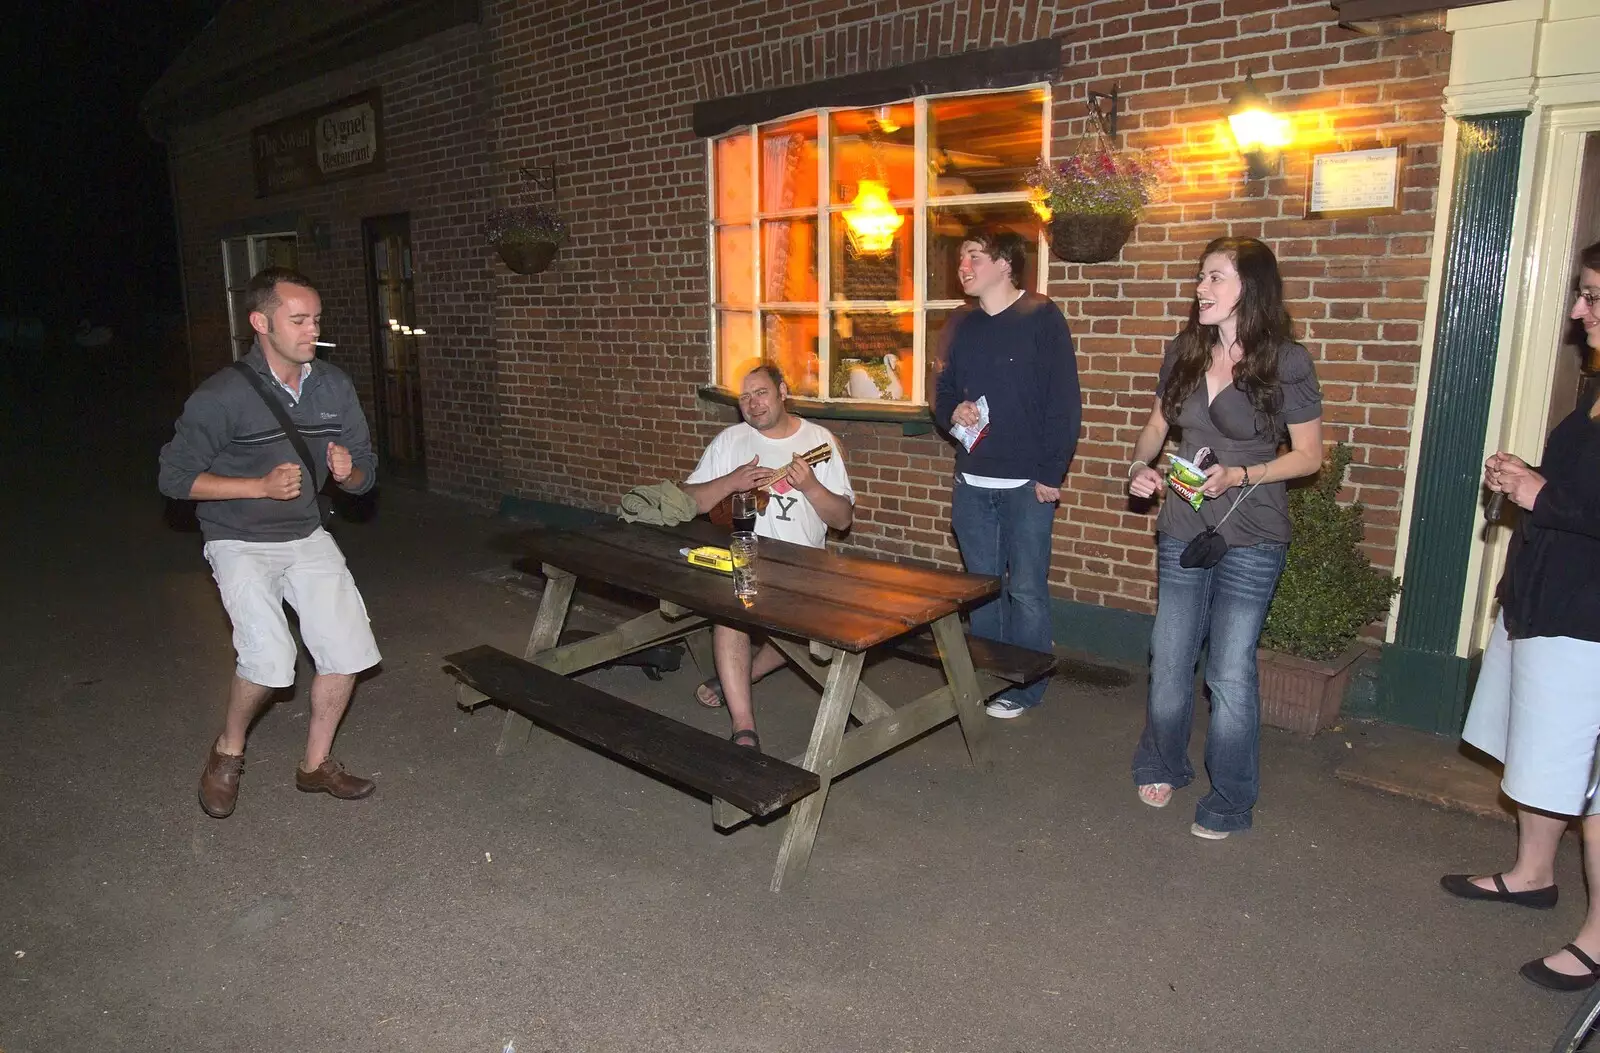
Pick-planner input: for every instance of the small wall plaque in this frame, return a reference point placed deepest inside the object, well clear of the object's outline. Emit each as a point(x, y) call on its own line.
point(1362, 182)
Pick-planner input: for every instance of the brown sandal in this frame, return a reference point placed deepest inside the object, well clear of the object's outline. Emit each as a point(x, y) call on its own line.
point(747, 738)
point(712, 689)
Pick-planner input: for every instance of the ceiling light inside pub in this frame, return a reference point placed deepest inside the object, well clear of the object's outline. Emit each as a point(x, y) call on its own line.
point(871, 222)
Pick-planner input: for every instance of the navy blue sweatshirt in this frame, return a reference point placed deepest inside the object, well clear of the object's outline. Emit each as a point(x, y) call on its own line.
point(1022, 360)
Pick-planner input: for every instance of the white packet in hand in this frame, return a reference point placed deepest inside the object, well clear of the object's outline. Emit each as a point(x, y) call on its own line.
point(968, 435)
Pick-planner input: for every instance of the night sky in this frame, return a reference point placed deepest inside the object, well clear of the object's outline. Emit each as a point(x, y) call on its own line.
point(85, 211)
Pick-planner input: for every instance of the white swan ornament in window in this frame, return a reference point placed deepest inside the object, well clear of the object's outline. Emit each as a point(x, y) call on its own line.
point(862, 386)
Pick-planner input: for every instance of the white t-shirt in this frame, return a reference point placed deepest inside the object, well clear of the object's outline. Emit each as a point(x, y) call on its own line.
point(789, 516)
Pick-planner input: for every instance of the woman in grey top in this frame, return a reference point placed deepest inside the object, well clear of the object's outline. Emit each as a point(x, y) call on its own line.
point(1234, 381)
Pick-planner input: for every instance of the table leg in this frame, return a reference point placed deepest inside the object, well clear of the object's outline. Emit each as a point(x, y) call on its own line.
point(699, 644)
point(553, 604)
point(868, 704)
point(801, 828)
point(963, 681)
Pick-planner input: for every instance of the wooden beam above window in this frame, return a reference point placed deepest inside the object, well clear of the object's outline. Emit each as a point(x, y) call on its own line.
point(1030, 63)
point(1369, 10)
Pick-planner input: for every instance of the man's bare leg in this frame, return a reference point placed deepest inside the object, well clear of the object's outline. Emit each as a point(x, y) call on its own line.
point(219, 780)
point(330, 696)
point(731, 647)
point(737, 672)
point(245, 701)
point(767, 660)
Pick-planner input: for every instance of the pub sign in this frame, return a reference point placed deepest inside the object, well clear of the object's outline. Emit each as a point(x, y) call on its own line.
point(335, 141)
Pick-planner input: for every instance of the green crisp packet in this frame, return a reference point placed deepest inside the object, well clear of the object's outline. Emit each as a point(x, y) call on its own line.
point(1186, 479)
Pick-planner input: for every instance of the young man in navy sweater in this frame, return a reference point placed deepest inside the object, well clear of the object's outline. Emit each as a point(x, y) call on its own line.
point(1013, 351)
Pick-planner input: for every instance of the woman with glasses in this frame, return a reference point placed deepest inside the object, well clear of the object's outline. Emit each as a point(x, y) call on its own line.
point(1537, 703)
point(1235, 383)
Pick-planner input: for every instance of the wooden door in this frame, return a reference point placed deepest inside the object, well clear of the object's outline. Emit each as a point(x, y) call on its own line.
point(397, 346)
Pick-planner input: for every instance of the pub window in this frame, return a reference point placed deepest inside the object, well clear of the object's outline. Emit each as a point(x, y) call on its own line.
point(835, 236)
point(241, 258)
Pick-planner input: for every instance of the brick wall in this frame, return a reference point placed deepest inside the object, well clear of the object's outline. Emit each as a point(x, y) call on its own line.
point(435, 109)
point(600, 357)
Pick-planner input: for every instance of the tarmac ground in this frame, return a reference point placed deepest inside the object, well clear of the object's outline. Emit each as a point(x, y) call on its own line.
point(555, 900)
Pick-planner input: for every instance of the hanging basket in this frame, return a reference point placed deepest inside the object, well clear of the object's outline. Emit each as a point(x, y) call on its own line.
point(1090, 238)
point(527, 257)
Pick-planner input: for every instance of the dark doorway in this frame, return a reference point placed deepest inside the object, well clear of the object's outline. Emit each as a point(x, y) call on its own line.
point(396, 349)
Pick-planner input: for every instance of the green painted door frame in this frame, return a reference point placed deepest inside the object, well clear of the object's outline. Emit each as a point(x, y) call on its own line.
point(1423, 682)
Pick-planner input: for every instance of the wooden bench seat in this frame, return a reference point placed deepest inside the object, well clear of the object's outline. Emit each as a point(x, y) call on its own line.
point(1015, 665)
point(756, 783)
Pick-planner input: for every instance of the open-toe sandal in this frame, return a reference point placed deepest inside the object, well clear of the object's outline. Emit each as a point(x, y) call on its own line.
point(1156, 794)
point(747, 738)
point(710, 689)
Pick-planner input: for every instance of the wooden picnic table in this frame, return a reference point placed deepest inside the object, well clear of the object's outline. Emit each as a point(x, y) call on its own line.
point(813, 604)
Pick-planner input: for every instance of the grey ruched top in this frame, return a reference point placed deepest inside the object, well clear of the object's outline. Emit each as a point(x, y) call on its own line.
point(1231, 427)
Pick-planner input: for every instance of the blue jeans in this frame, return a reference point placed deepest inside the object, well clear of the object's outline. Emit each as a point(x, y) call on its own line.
point(1228, 603)
point(1006, 533)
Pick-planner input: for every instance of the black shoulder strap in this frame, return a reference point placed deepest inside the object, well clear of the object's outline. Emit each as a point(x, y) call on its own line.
point(290, 431)
point(1237, 501)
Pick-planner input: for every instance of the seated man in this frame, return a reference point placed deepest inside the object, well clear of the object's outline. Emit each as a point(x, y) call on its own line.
point(805, 502)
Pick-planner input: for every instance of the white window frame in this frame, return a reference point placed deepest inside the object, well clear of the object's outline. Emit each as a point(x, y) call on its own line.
point(239, 327)
point(825, 210)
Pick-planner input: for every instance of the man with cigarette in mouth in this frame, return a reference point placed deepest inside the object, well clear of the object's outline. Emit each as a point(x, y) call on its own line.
point(262, 522)
point(766, 451)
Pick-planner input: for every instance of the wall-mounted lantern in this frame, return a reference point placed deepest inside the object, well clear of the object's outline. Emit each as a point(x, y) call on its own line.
point(1260, 133)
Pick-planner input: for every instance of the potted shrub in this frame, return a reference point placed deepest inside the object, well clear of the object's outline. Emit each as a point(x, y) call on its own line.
point(1093, 199)
point(1329, 591)
point(526, 237)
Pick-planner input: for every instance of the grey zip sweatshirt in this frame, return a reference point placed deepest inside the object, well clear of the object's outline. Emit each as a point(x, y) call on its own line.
point(227, 430)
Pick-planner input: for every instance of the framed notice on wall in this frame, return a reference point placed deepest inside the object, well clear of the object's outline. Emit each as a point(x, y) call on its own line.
point(1363, 182)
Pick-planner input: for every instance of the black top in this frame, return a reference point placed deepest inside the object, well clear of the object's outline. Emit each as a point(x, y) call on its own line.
point(1022, 360)
point(1238, 436)
point(1551, 586)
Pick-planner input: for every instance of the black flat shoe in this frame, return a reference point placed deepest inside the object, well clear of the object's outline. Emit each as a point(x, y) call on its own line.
point(1461, 885)
point(1538, 973)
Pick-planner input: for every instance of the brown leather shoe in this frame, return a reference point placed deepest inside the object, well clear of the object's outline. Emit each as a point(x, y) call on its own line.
point(219, 783)
point(330, 777)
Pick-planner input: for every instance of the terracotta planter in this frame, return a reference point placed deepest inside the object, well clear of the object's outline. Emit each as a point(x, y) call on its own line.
point(527, 257)
point(1089, 239)
point(1300, 695)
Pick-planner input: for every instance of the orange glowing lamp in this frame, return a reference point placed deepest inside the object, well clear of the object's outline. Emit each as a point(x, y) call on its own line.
point(870, 221)
point(1260, 134)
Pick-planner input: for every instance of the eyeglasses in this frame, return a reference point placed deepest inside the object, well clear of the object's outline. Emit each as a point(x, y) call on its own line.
point(1589, 298)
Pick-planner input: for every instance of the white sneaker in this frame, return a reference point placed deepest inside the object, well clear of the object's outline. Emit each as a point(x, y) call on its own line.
point(1005, 708)
point(1206, 832)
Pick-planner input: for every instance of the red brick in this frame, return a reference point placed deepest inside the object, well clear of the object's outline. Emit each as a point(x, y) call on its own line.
point(542, 386)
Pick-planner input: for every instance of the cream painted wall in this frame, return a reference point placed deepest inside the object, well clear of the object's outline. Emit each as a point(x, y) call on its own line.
point(1542, 56)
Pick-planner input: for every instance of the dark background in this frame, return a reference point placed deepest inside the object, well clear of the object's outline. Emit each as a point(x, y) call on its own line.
point(86, 228)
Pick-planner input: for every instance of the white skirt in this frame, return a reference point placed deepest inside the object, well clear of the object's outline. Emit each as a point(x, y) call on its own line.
point(1537, 708)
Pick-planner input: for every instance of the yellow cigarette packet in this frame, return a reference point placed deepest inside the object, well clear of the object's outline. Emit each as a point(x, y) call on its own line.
point(711, 557)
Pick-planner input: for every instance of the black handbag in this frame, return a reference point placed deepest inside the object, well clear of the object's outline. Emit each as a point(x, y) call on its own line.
point(292, 432)
point(1208, 547)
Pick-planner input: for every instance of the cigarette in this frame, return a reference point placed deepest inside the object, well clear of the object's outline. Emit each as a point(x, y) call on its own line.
point(324, 343)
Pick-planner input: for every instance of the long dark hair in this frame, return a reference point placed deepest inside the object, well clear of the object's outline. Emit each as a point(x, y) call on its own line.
point(1264, 328)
